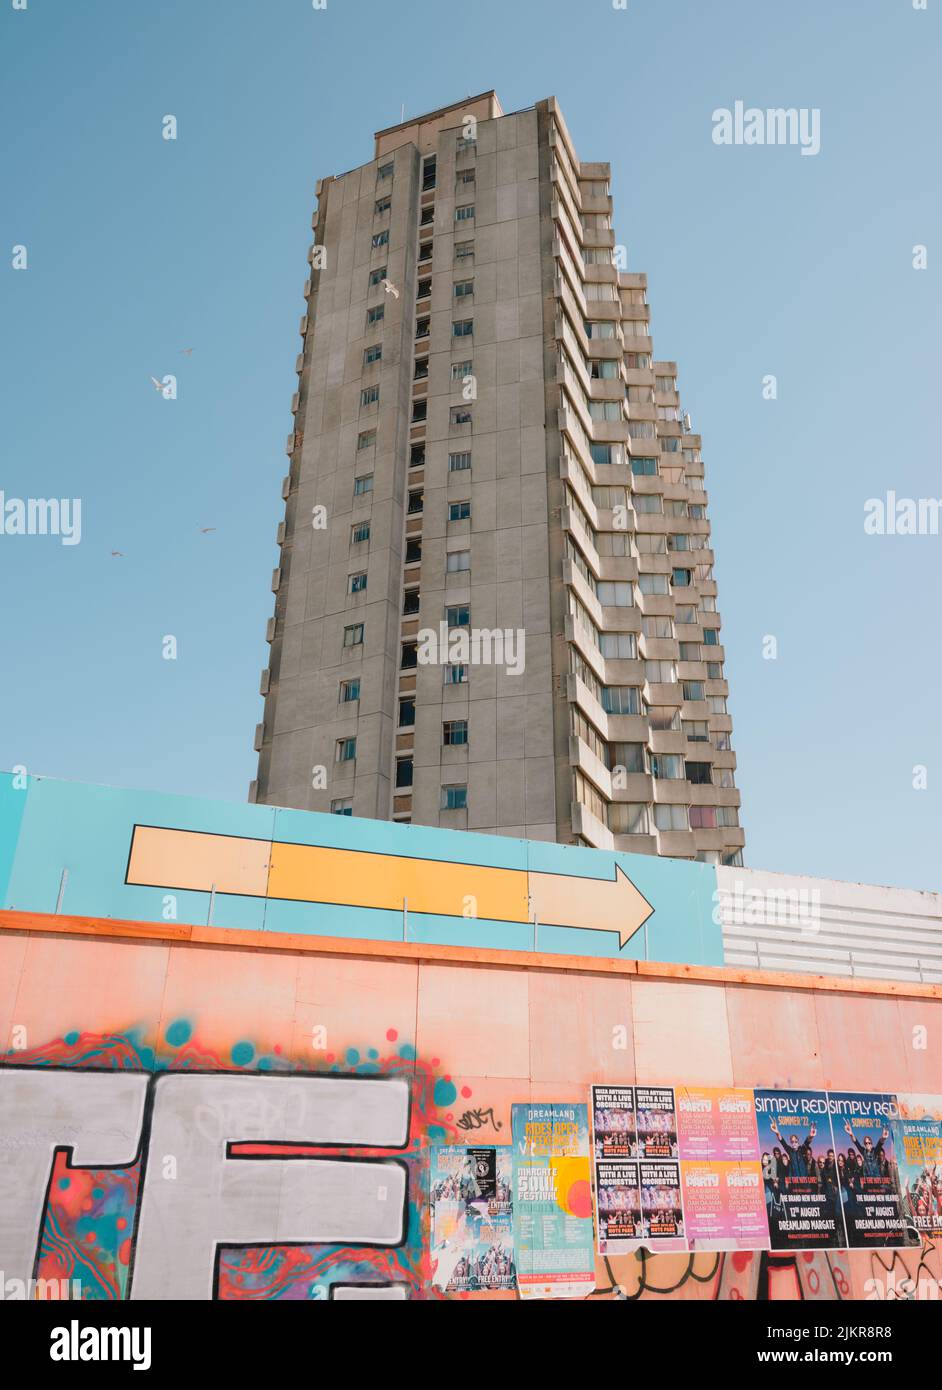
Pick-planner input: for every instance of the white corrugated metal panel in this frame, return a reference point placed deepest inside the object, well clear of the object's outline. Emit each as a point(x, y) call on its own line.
point(787, 922)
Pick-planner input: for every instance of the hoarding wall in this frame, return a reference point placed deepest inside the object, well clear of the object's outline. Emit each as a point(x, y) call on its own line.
point(194, 1074)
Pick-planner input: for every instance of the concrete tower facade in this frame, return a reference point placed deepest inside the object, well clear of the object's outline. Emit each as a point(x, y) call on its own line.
point(495, 607)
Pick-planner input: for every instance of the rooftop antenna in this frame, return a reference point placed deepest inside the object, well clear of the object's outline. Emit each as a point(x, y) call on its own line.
point(402, 113)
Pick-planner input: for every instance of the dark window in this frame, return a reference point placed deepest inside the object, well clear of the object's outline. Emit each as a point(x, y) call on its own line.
point(403, 772)
point(416, 501)
point(410, 656)
point(406, 714)
point(701, 774)
point(410, 601)
point(417, 456)
point(413, 552)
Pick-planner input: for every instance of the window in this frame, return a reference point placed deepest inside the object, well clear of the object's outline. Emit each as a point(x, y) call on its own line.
point(357, 583)
point(342, 806)
point(382, 205)
point(630, 756)
point(711, 637)
point(637, 361)
point(723, 777)
point(714, 670)
point(716, 704)
point(602, 370)
point(417, 456)
point(620, 699)
point(416, 501)
point(384, 171)
point(376, 314)
point(459, 370)
point(465, 214)
point(381, 239)
point(601, 329)
point(690, 651)
point(454, 798)
point(422, 328)
point(410, 601)
point(349, 691)
point(667, 766)
point(374, 353)
point(459, 511)
point(659, 672)
point(687, 615)
point(462, 328)
point(454, 732)
point(465, 176)
point(457, 560)
point(641, 429)
point(363, 485)
point(628, 818)
point(646, 503)
point(618, 644)
point(464, 250)
point(458, 462)
point(404, 767)
point(657, 627)
point(652, 583)
point(465, 142)
point(605, 454)
point(427, 217)
point(419, 411)
point(614, 595)
point(693, 690)
point(406, 714)
point(413, 551)
point(369, 395)
point(456, 673)
point(459, 415)
point(680, 578)
point(649, 543)
point(353, 635)
point(458, 615)
point(423, 289)
point(700, 774)
point(421, 369)
point(428, 173)
point(409, 656)
point(464, 289)
point(425, 252)
point(360, 533)
point(681, 542)
point(346, 750)
point(377, 275)
point(696, 730)
point(670, 817)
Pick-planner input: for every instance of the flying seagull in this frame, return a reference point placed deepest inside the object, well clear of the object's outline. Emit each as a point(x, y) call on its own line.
point(389, 287)
point(118, 552)
point(158, 385)
point(204, 530)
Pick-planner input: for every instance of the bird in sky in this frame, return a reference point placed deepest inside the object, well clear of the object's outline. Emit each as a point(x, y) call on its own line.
point(158, 385)
point(185, 352)
point(204, 530)
point(118, 552)
point(390, 288)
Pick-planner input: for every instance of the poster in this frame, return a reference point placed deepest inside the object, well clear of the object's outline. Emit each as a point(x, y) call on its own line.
point(918, 1145)
point(799, 1170)
point(656, 1121)
point(618, 1198)
point(472, 1228)
point(724, 1204)
point(552, 1201)
point(662, 1212)
point(867, 1170)
point(614, 1133)
point(716, 1122)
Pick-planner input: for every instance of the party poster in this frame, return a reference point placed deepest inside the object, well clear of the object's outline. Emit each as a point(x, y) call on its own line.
point(716, 1122)
point(656, 1120)
point(472, 1224)
point(614, 1134)
point(662, 1211)
point(618, 1198)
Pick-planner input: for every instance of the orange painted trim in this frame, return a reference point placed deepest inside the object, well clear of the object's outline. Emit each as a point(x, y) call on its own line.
point(186, 934)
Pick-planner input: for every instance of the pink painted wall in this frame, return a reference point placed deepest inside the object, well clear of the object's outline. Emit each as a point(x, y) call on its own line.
point(499, 1034)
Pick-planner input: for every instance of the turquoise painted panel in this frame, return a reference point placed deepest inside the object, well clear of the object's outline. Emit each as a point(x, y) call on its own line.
point(86, 830)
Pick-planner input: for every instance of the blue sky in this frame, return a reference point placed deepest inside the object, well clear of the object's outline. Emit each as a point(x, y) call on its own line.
point(759, 261)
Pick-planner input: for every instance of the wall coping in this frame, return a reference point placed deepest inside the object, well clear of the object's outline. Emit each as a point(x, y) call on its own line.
point(187, 934)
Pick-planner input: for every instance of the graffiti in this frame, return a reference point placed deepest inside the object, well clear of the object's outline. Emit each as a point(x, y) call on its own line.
point(477, 1119)
point(896, 1280)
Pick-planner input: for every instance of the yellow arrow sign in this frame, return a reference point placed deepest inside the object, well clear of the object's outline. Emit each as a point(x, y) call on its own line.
point(185, 859)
